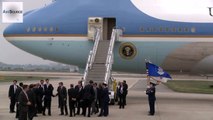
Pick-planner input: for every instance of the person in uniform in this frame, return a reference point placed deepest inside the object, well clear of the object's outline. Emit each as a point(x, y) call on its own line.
point(72, 93)
point(12, 95)
point(24, 102)
point(48, 94)
point(151, 98)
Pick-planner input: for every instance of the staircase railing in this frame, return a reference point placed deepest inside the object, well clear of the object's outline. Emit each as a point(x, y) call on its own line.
point(110, 58)
point(92, 55)
point(95, 47)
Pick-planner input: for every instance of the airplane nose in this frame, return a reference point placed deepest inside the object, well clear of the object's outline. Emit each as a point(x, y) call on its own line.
point(13, 29)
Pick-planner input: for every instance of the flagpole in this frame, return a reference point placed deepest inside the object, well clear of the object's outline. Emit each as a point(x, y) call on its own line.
point(148, 80)
point(147, 72)
point(158, 81)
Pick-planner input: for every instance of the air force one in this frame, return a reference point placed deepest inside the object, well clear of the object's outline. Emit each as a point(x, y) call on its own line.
point(175, 34)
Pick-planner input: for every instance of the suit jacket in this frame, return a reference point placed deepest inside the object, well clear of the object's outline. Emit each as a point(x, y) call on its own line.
point(18, 91)
point(88, 93)
point(62, 93)
point(105, 95)
point(125, 88)
point(48, 92)
point(72, 93)
point(79, 93)
point(11, 92)
point(41, 92)
point(32, 97)
point(22, 99)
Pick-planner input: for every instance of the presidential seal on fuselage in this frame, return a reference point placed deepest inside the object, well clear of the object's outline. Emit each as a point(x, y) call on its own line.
point(127, 50)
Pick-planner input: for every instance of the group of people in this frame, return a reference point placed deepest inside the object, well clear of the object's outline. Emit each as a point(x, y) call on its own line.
point(34, 99)
point(30, 100)
point(122, 91)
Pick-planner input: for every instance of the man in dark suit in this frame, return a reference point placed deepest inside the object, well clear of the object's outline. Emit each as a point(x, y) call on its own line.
point(125, 88)
point(79, 97)
point(88, 97)
point(62, 94)
point(40, 96)
point(24, 102)
point(151, 98)
point(48, 94)
point(18, 91)
point(104, 101)
point(12, 95)
point(72, 93)
point(32, 99)
point(121, 94)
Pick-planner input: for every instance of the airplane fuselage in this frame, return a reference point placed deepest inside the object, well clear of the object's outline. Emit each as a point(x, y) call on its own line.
point(58, 32)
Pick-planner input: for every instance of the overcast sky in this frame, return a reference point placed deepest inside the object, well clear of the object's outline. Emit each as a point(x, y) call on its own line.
point(11, 54)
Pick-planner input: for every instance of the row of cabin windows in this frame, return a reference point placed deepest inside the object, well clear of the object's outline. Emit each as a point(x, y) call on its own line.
point(168, 29)
point(142, 29)
point(42, 29)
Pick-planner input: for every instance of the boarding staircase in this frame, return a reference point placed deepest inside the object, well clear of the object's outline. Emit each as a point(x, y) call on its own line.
point(100, 60)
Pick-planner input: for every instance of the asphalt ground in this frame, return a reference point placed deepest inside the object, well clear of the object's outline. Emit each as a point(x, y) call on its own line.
point(169, 105)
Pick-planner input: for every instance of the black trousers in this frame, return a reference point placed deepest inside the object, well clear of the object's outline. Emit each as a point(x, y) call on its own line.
point(63, 106)
point(23, 112)
point(78, 105)
point(152, 107)
point(87, 104)
point(104, 108)
point(72, 107)
point(47, 105)
point(17, 110)
point(31, 112)
point(122, 101)
point(39, 105)
point(12, 104)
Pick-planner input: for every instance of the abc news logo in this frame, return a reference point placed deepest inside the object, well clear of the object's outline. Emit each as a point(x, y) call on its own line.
point(12, 12)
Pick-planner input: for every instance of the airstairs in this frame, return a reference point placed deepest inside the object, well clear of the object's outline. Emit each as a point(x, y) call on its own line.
point(100, 60)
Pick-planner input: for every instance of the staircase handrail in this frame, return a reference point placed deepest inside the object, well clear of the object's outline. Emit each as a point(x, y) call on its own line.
point(92, 54)
point(87, 67)
point(95, 47)
point(110, 59)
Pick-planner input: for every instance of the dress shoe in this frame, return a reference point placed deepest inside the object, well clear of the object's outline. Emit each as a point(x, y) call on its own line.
point(151, 114)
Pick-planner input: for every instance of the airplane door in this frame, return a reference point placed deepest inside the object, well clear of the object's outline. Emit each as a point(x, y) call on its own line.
point(93, 24)
point(106, 24)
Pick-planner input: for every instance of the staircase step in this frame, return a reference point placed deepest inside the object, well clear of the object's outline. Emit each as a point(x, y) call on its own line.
point(98, 71)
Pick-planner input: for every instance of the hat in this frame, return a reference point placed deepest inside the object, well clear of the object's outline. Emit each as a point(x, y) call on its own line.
point(104, 83)
point(152, 83)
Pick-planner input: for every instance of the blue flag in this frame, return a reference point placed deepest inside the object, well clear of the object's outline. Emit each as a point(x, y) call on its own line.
point(155, 71)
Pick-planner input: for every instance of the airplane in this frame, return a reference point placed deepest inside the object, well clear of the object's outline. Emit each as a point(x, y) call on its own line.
point(174, 34)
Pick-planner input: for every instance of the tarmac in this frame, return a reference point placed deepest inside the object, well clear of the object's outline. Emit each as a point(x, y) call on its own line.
point(169, 105)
